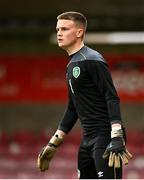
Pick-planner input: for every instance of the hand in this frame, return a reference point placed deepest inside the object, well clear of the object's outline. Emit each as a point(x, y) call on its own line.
point(116, 151)
point(45, 157)
point(48, 153)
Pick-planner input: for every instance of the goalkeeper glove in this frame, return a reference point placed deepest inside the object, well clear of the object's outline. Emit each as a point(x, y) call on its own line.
point(116, 150)
point(48, 152)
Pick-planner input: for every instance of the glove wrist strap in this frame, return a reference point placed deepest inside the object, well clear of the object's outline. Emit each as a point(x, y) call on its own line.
point(116, 133)
point(52, 145)
point(55, 141)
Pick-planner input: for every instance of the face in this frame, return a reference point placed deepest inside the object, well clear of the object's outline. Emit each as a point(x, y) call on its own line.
point(67, 33)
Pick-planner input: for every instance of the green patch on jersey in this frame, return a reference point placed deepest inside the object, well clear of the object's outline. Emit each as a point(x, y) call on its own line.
point(76, 72)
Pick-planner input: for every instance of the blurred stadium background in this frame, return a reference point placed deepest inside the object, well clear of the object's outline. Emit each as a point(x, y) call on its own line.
point(32, 80)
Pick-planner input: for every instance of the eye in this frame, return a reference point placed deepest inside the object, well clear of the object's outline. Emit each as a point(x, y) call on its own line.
point(65, 29)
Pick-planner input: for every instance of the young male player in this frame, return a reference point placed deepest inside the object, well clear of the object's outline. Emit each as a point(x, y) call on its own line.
point(94, 100)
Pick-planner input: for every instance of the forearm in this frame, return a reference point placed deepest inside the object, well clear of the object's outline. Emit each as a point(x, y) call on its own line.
point(69, 119)
point(113, 105)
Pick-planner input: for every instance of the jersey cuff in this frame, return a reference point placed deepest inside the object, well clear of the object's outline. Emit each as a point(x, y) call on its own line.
point(116, 121)
point(63, 129)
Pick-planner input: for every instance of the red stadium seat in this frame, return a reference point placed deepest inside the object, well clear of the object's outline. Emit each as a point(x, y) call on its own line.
point(135, 137)
point(24, 147)
point(24, 137)
point(4, 138)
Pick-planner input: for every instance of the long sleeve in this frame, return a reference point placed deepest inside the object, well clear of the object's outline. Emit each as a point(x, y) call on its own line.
point(101, 76)
point(70, 117)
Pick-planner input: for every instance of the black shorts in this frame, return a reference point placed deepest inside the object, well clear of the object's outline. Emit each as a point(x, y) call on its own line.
point(91, 165)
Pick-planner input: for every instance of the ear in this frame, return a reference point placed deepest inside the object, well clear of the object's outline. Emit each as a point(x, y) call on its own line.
point(80, 33)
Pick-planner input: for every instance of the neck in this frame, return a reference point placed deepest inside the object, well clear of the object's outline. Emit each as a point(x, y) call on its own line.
point(74, 49)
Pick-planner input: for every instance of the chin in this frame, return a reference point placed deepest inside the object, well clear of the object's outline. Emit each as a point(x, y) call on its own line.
point(62, 46)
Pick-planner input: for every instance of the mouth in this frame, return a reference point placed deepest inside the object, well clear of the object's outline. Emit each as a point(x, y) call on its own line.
point(59, 40)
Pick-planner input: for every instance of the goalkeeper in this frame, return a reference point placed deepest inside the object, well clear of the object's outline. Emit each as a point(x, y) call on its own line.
point(94, 101)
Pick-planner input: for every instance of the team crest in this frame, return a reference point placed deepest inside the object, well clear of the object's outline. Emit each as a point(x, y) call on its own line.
point(76, 72)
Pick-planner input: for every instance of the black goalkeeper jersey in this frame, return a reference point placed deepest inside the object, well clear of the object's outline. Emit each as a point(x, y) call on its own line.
point(92, 96)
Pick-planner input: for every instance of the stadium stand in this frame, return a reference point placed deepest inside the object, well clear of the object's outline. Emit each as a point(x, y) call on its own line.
point(18, 156)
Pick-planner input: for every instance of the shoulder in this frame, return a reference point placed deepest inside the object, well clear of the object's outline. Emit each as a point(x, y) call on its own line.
point(89, 54)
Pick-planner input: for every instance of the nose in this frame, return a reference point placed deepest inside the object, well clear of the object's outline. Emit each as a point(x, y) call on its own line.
point(59, 33)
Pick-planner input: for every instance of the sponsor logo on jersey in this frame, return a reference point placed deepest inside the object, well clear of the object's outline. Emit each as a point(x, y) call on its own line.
point(76, 71)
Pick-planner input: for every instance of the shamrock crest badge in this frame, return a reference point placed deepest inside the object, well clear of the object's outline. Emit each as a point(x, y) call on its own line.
point(76, 72)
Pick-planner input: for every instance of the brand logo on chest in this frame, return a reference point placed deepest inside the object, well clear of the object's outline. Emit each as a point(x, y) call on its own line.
point(76, 71)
